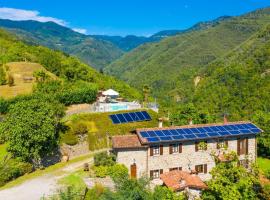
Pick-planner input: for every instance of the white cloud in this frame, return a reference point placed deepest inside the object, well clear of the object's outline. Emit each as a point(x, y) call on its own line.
point(19, 14)
point(80, 30)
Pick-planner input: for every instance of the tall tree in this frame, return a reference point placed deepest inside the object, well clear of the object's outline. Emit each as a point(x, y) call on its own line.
point(32, 129)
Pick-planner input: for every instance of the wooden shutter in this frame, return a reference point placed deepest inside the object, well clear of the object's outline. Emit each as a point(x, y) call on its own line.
point(151, 174)
point(151, 151)
point(170, 148)
point(180, 148)
point(206, 145)
point(238, 146)
point(246, 146)
point(205, 168)
point(196, 168)
point(161, 171)
point(180, 168)
point(196, 146)
point(227, 143)
point(161, 149)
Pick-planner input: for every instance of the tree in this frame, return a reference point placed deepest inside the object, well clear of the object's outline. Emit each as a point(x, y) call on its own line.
point(230, 181)
point(32, 128)
point(41, 76)
point(146, 91)
point(10, 80)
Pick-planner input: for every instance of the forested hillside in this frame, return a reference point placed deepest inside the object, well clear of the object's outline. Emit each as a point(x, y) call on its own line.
point(95, 52)
point(170, 66)
point(66, 67)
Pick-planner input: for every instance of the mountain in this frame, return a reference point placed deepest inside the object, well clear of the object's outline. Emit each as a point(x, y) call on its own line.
point(239, 83)
point(130, 42)
point(171, 66)
point(58, 64)
point(95, 52)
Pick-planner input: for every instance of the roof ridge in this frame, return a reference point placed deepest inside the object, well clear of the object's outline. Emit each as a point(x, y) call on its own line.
point(192, 126)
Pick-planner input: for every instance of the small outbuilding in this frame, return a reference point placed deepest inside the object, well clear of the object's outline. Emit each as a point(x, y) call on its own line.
point(110, 93)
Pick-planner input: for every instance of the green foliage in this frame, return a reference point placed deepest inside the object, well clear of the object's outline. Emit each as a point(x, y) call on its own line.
point(118, 172)
point(69, 193)
point(69, 139)
point(66, 67)
point(101, 171)
point(95, 52)
point(12, 168)
point(164, 193)
point(40, 76)
point(32, 128)
point(230, 181)
point(170, 66)
point(103, 159)
point(10, 80)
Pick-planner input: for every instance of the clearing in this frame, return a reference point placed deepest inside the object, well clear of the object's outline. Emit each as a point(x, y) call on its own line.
point(22, 73)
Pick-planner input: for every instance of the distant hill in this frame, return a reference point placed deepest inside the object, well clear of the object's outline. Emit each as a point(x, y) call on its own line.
point(130, 42)
point(170, 66)
point(95, 52)
point(56, 63)
point(239, 83)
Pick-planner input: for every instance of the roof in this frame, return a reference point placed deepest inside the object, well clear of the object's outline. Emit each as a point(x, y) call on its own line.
point(196, 132)
point(110, 92)
point(179, 180)
point(126, 141)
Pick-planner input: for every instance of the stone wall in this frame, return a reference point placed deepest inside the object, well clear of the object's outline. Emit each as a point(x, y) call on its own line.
point(187, 159)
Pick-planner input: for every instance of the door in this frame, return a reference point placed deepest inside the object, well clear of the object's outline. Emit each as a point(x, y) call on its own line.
point(133, 171)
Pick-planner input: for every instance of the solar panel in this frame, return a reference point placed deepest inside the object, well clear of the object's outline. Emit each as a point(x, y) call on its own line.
point(130, 117)
point(182, 134)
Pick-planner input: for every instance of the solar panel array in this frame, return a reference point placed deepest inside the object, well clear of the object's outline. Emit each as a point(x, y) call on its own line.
point(178, 134)
point(130, 117)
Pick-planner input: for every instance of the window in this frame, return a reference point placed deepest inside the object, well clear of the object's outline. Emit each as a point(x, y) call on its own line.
point(201, 168)
point(175, 168)
point(242, 146)
point(200, 146)
point(156, 150)
point(221, 144)
point(175, 148)
point(154, 174)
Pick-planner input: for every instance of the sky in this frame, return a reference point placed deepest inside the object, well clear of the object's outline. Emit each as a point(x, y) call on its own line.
point(125, 17)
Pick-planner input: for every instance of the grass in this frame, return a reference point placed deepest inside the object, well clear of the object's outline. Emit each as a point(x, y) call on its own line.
point(99, 125)
point(263, 164)
point(19, 70)
point(74, 179)
point(3, 151)
point(37, 173)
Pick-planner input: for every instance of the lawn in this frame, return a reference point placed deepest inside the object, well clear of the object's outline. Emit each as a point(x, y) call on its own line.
point(100, 126)
point(263, 164)
point(19, 70)
point(3, 151)
point(74, 179)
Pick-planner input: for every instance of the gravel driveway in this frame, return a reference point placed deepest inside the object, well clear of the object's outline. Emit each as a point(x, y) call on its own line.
point(41, 186)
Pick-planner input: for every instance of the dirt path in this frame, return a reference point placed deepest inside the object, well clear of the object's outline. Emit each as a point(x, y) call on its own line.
point(44, 185)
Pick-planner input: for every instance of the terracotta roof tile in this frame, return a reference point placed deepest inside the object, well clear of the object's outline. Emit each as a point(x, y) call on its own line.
point(126, 141)
point(173, 179)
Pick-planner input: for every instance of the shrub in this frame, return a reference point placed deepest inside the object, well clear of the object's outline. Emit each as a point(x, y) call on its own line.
point(118, 172)
point(12, 168)
point(101, 171)
point(80, 129)
point(10, 80)
point(267, 174)
point(2, 76)
point(103, 159)
point(70, 139)
point(3, 106)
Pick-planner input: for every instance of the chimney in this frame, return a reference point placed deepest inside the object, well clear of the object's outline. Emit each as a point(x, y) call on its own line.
point(182, 182)
point(160, 123)
point(190, 122)
point(225, 119)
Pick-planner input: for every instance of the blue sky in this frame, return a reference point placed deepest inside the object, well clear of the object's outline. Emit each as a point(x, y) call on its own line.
point(123, 17)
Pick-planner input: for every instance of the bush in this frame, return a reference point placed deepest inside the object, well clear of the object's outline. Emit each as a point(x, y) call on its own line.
point(101, 171)
point(103, 159)
point(70, 139)
point(3, 106)
point(10, 80)
point(118, 172)
point(267, 174)
point(12, 168)
point(80, 129)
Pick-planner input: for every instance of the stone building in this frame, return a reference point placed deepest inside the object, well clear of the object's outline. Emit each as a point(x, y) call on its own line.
point(152, 152)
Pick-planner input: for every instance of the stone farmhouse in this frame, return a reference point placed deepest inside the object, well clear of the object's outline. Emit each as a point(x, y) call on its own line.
point(182, 157)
